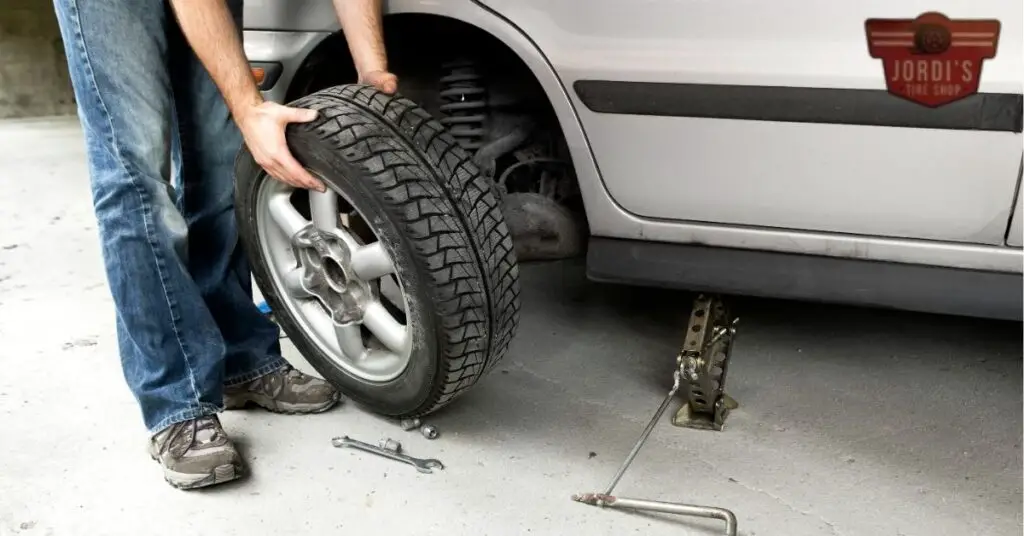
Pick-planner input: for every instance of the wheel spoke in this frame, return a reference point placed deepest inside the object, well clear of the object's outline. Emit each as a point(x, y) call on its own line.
point(371, 262)
point(350, 340)
point(284, 214)
point(390, 332)
point(326, 215)
point(293, 284)
point(324, 207)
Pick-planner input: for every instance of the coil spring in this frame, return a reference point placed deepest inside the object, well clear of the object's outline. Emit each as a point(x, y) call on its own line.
point(463, 104)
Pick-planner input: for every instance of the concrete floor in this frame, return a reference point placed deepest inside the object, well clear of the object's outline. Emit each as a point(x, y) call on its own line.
point(852, 422)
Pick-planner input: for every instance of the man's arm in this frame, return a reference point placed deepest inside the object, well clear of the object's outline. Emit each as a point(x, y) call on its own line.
point(361, 23)
point(213, 35)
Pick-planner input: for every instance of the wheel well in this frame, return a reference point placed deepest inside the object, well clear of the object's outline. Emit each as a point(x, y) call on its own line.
point(417, 46)
point(481, 90)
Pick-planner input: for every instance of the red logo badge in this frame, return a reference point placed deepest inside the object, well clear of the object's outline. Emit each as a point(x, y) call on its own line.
point(932, 60)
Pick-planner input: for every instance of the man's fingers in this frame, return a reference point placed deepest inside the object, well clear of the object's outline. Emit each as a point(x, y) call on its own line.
point(265, 133)
point(278, 173)
point(297, 173)
point(382, 80)
point(295, 176)
point(300, 115)
point(386, 82)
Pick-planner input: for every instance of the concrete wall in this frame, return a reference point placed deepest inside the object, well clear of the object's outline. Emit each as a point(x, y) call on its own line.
point(33, 72)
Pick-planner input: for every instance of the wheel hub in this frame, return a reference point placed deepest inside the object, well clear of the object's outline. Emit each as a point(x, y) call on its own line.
point(327, 275)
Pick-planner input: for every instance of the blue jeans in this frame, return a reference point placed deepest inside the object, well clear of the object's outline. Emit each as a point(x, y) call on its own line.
point(161, 146)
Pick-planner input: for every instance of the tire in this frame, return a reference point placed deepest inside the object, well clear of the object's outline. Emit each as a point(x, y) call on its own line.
point(433, 214)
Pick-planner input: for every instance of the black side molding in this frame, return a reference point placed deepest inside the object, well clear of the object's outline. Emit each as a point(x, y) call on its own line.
point(1000, 112)
point(910, 287)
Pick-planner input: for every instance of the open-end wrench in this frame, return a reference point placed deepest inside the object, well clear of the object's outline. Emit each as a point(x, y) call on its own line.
point(423, 466)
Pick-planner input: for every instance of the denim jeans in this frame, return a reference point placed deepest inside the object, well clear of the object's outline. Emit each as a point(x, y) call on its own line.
point(161, 146)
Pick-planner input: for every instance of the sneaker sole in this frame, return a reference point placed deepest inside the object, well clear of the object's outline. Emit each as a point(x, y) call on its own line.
point(219, 475)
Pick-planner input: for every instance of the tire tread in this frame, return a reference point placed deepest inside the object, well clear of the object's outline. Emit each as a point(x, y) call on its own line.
point(439, 196)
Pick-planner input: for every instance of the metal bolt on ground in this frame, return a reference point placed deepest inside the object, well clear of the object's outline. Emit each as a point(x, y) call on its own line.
point(429, 431)
point(390, 444)
point(409, 424)
point(704, 336)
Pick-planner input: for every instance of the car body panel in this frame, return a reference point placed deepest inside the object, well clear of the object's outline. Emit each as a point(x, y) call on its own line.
point(290, 15)
point(794, 176)
point(606, 216)
point(1015, 238)
point(852, 179)
point(1015, 234)
point(800, 43)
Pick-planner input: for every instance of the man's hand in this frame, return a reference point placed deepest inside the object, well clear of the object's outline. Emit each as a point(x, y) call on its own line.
point(382, 80)
point(263, 128)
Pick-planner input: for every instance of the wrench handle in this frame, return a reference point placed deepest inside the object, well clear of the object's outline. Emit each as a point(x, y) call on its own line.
point(423, 466)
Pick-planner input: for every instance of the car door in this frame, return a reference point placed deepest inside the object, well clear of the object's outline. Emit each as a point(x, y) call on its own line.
point(776, 115)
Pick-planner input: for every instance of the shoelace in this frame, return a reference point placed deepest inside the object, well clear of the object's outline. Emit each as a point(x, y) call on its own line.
point(293, 373)
point(289, 372)
point(180, 430)
point(203, 424)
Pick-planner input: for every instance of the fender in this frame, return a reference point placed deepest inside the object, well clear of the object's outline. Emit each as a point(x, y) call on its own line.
point(315, 20)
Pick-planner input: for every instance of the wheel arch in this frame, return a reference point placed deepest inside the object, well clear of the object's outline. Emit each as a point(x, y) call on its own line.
point(475, 19)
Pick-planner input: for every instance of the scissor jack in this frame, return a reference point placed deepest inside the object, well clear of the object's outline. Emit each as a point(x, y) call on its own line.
point(701, 365)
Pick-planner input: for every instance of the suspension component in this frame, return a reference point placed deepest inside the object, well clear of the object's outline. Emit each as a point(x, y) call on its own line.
point(463, 104)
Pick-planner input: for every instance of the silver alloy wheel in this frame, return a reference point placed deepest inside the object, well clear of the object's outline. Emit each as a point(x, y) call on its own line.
point(335, 281)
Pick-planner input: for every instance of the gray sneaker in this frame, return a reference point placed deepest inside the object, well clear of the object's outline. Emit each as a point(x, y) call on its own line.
point(286, 390)
point(196, 453)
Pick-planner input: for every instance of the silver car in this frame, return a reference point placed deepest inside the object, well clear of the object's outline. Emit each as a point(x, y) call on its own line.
point(847, 152)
